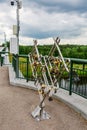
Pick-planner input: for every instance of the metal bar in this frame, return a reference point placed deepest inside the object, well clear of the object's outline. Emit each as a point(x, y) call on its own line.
point(31, 66)
point(56, 44)
point(39, 60)
point(52, 50)
point(71, 70)
point(17, 66)
point(48, 72)
point(27, 67)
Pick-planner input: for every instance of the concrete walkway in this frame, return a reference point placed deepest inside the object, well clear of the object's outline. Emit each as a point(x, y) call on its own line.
point(78, 103)
point(16, 105)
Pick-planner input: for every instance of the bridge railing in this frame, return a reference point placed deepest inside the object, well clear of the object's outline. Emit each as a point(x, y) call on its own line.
point(74, 82)
point(3, 54)
point(20, 64)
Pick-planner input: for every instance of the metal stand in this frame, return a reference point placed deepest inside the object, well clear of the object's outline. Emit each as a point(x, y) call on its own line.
point(46, 72)
point(39, 114)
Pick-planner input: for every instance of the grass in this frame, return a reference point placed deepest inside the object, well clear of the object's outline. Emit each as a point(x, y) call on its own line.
point(23, 69)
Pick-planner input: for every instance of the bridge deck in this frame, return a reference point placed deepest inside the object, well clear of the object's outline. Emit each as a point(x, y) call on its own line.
point(16, 105)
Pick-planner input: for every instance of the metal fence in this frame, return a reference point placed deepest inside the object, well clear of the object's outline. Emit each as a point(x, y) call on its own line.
point(20, 64)
point(75, 82)
point(3, 52)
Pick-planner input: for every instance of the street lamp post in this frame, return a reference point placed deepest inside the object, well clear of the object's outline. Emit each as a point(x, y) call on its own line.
point(19, 3)
point(19, 6)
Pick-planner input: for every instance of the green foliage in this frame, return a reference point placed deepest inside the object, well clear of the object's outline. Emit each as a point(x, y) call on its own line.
point(25, 49)
point(70, 51)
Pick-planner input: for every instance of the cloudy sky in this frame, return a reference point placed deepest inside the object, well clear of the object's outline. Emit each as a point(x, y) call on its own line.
point(44, 19)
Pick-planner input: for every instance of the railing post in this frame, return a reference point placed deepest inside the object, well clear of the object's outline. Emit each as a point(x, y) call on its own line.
point(12, 60)
point(27, 67)
point(2, 59)
point(71, 69)
point(17, 66)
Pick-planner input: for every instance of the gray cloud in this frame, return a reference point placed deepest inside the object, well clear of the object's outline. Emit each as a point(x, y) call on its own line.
point(71, 29)
point(35, 33)
point(57, 5)
point(47, 18)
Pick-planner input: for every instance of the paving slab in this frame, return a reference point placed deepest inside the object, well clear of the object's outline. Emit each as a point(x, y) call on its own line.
point(17, 103)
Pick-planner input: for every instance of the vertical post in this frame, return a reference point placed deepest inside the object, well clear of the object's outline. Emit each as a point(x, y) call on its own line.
point(71, 69)
point(2, 60)
point(18, 25)
point(13, 60)
point(19, 6)
point(17, 58)
point(27, 67)
point(17, 35)
point(17, 66)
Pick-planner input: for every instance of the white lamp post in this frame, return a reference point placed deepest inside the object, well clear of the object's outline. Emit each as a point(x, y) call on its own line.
point(19, 6)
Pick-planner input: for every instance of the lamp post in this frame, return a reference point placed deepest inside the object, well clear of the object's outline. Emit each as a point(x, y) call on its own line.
point(19, 6)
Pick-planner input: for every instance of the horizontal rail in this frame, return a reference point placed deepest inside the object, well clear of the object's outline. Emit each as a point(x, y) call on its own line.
point(74, 83)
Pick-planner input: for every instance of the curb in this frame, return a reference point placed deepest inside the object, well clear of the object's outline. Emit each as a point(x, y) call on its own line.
point(76, 102)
